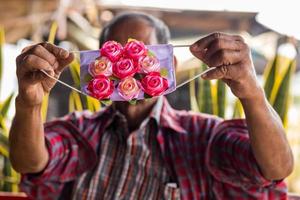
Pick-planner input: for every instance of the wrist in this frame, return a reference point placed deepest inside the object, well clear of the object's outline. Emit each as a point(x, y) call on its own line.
point(257, 98)
point(22, 105)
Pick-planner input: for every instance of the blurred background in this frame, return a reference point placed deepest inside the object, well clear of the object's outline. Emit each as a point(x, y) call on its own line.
point(270, 29)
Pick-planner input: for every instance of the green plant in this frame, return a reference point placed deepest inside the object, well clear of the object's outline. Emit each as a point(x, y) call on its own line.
point(211, 96)
point(9, 178)
point(278, 76)
point(51, 38)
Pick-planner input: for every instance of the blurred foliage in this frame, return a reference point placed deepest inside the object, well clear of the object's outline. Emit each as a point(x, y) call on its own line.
point(9, 178)
point(211, 98)
point(278, 76)
point(51, 38)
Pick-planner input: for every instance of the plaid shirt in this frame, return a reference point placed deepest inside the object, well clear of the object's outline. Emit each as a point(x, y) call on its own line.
point(205, 158)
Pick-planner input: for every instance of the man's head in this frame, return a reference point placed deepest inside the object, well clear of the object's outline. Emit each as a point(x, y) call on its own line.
point(138, 26)
point(142, 27)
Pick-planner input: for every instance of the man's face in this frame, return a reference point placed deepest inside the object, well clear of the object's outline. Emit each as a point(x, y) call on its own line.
point(138, 29)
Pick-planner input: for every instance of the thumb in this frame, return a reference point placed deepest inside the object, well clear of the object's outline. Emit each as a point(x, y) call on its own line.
point(215, 73)
point(64, 62)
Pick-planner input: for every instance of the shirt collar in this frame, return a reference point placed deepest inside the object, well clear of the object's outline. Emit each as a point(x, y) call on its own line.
point(163, 114)
point(171, 118)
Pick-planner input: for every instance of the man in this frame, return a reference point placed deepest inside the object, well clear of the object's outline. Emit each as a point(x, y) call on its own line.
point(149, 150)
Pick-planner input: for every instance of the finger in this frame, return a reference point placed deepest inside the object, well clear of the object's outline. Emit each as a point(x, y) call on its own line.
point(58, 52)
point(224, 72)
point(200, 47)
point(217, 45)
point(34, 63)
point(204, 42)
point(25, 49)
point(63, 63)
point(224, 57)
point(43, 53)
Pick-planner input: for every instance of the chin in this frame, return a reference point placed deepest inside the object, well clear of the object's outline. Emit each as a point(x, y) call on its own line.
point(125, 106)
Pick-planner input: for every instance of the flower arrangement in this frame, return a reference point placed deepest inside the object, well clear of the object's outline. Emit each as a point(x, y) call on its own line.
point(129, 71)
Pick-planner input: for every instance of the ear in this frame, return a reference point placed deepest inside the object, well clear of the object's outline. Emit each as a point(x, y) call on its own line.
point(175, 62)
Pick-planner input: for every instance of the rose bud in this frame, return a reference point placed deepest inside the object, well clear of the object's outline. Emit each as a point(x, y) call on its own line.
point(124, 67)
point(100, 66)
point(112, 50)
point(129, 88)
point(153, 84)
point(148, 64)
point(135, 49)
point(100, 87)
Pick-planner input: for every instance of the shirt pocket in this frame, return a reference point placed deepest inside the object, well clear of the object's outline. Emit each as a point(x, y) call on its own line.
point(171, 191)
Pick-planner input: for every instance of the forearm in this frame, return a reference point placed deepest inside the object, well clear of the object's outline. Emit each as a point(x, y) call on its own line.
point(268, 139)
point(28, 152)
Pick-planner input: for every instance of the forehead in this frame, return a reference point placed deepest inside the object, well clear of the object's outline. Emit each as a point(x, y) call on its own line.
point(138, 29)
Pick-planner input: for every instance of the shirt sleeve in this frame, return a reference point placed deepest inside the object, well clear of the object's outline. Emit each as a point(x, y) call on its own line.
point(230, 158)
point(69, 156)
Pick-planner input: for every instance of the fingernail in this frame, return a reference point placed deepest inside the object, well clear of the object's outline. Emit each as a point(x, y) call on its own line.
point(64, 53)
point(204, 75)
point(195, 47)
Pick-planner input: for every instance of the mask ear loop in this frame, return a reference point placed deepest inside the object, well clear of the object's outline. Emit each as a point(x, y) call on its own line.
point(63, 83)
point(178, 86)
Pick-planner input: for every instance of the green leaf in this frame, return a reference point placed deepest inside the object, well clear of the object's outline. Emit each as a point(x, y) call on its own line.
point(114, 78)
point(281, 103)
point(92, 104)
point(270, 75)
point(131, 39)
point(221, 98)
point(138, 76)
point(2, 41)
point(106, 102)
point(164, 72)
point(52, 32)
point(5, 105)
point(75, 102)
point(132, 102)
point(51, 38)
point(45, 107)
point(205, 95)
point(238, 111)
point(3, 144)
point(192, 90)
point(147, 96)
point(151, 54)
point(75, 72)
point(87, 78)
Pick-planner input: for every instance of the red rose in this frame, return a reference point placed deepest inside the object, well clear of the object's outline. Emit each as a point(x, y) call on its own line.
point(124, 67)
point(112, 50)
point(100, 87)
point(135, 49)
point(153, 84)
point(148, 64)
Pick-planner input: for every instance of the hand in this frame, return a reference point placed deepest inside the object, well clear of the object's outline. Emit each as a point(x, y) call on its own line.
point(232, 59)
point(33, 84)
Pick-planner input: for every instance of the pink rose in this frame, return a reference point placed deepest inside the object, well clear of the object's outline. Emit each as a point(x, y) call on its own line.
point(112, 50)
point(124, 67)
point(153, 84)
point(148, 64)
point(100, 87)
point(129, 88)
point(135, 49)
point(100, 66)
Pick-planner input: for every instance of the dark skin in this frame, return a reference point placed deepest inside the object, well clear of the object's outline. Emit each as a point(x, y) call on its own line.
point(229, 53)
